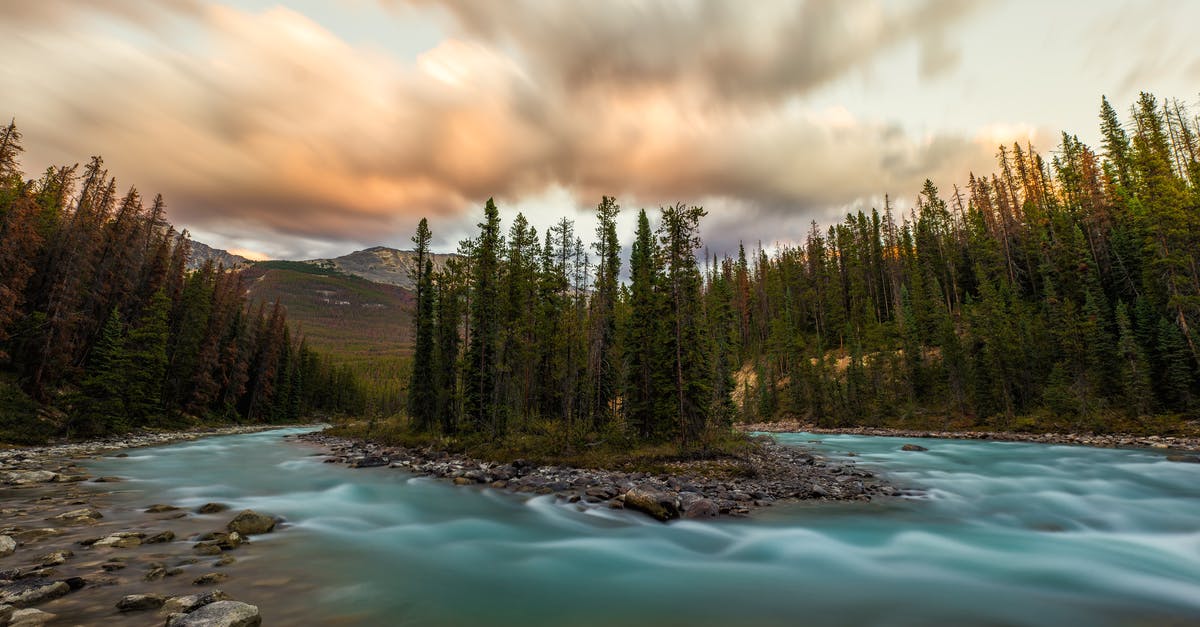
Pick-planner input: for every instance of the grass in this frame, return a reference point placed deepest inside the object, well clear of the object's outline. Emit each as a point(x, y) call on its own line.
point(720, 453)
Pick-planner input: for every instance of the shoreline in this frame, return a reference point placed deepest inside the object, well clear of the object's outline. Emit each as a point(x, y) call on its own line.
point(81, 549)
point(1115, 440)
point(773, 473)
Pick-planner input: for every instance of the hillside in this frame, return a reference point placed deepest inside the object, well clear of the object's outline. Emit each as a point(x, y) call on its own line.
point(380, 264)
point(201, 252)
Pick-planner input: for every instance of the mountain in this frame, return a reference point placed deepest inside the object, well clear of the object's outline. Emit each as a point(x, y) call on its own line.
point(380, 264)
point(202, 252)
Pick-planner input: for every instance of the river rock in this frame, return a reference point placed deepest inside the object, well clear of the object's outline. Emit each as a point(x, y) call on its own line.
point(33, 592)
point(913, 447)
point(212, 508)
point(30, 618)
point(120, 540)
point(56, 558)
point(189, 603)
point(7, 546)
point(6, 612)
point(701, 508)
point(250, 522)
point(84, 515)
point(159, 508)
point(661, 505)
point(160, 537)
point(141, 602)
point(25, 477)
point(1184, 459)
point(219, 614)
point(207, 579)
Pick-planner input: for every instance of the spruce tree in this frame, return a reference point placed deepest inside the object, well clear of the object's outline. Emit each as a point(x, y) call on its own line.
point(479, 375)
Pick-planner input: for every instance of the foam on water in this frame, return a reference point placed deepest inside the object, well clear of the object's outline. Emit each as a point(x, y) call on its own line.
point(1006, 534)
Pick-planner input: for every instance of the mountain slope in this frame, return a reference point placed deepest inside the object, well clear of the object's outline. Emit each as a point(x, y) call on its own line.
point(202, 252)
point(380, 264)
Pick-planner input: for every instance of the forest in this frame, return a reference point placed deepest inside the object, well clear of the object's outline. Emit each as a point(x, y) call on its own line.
point(104, 329)
point(1057, 293)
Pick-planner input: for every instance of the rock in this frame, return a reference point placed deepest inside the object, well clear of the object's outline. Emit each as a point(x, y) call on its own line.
point(159, 508)
point(122, 540)
point(141, 602)
point(1184, 459)
point(250, 522)
point(701, 508)
point(219, 614)
point(85, 515)
point(225, 561)
point(160, 537)
point(212, 508)
point(369, 462)
point(75, 583)
point(30, 618)
point(155, 574)
point(206, 548)
point(56, 558)
point(26, 477)
point(108, 480)
point(6, 612)
point(27, 593)
point(231, 541)
point(109, 567)
point(7, 546)
point(207, 579)
point(191, 602)
point(913, 447)
point(463, 481)
point(660, 505)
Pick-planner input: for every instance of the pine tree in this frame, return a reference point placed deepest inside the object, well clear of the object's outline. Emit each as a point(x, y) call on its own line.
point(691, 388)
point(602, 370)
point(643, 337)
point(479, 376)
point(422, 394)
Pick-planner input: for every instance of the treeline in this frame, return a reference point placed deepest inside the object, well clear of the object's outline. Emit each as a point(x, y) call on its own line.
point(100, 317)
point(1050, 294)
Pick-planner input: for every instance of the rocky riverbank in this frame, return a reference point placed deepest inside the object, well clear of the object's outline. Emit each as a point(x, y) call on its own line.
point(71, 552)
point(771, 473)
point(1173, 443)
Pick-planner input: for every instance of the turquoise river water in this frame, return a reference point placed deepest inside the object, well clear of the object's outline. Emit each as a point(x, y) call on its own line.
point(1006, 534)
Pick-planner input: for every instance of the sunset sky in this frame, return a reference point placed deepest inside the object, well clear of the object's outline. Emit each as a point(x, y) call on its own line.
point(313, 128)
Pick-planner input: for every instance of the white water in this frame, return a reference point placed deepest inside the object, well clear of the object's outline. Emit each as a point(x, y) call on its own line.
point(1008, 534)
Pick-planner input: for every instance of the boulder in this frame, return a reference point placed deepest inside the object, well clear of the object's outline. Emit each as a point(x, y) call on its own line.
point(85, 515)
point(30, 618)
point(701, 508)
point(250, 522)
point(913, 447)
point(219, 614)
point(25, 477)
point(141, 602)
point(185, 604)
point(1184, 459)
point(159, 508)
point(660, 505)
point(7, 546)
point(33, 592)
point(212, 508)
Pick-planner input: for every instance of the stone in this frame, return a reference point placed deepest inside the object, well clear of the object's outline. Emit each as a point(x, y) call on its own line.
point(109, 567)
point(212, 508)
point(8, 546)
point(75, 583)
point(207, 579)
point(141, 602)
point(219, 614)
point(159, 508)
point(206, 548)
point(701, 508)
point(225, 561)
point(1184, 459)
point(108, 480)
point(250, 522)
point(122, 540)
point(191, 602)
point(33, 592)
point(155, 574)
point(6, 612)
point(230, 542)
point(160, 537)
point(30, 618)
point(913, 447)
point(659, 505)
point(26, 477)
point(56, 558)
point(85, 515)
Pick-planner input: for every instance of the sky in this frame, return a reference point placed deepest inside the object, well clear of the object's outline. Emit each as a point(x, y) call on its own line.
point(313, 128)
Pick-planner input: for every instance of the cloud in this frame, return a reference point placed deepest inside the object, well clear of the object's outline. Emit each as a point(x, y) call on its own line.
point(268, 120)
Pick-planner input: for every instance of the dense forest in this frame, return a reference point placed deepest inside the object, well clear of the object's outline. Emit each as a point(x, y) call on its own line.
point(1051, 294)
point(103, 328)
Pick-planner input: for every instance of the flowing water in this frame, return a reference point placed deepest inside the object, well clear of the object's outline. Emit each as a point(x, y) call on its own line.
point(1007, 534)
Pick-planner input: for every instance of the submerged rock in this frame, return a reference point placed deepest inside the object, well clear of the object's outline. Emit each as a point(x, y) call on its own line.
point(212, 508)
point(191, 602)
point(27, 593)
point(913, 447)
point(250, 522)
point(30, 618)
point(1184, 459)
point(207, 579)
point(219, 614)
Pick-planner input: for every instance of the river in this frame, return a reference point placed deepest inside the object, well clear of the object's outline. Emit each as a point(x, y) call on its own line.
point(1006, 534)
